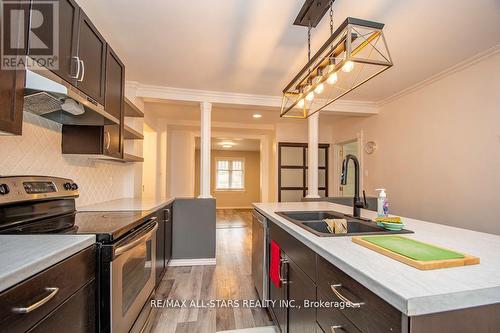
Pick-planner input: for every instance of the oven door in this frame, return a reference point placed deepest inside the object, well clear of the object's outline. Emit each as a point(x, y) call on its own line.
point(132, 276)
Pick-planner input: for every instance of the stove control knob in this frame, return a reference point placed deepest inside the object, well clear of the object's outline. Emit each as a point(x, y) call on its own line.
point(74, 186)
point(4, 189)
point(67, 186)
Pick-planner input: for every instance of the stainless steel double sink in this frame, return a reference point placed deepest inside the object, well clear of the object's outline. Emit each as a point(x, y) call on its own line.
point(312, 221)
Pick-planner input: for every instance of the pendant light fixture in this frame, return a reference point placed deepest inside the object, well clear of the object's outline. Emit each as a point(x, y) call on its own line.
point(354, 53)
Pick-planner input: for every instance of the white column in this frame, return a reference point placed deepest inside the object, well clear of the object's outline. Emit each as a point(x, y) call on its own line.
point(205, 130)
point(312, 156)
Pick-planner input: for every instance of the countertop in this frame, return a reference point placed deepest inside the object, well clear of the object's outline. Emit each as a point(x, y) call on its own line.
point(127, 204)
point(22, 256)
point(412, 291)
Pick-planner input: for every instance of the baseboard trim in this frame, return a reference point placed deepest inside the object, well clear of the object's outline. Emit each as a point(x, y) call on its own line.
point(235, 208)
point(192, 262)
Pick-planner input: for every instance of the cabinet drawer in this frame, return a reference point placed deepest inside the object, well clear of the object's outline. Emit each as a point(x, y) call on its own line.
point(68, 276)
point(300, 254)
point(331, 320)
point(374, 315)
point(75, 315)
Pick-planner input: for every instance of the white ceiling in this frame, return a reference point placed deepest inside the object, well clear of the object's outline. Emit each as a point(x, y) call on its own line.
point(252, 47)
point(238, 144)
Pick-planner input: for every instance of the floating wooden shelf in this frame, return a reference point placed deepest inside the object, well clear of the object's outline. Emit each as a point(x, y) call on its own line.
point(132, 158)
point(131, 110)
point(131, 134)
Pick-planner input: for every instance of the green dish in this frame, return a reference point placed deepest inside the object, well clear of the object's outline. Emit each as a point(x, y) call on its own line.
point(391, 226)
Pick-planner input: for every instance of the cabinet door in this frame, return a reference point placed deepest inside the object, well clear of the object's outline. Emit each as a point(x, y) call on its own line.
point(112, 141)
point(92, 53)
point(160, 247)
point(113, 103)
point(300, 288)
point(12, 86)
point(68, 36)
point(75, 315)
point(168, 234)
point(279, 297)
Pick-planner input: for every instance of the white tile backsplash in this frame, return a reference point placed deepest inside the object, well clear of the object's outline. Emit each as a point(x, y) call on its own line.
point(38, 152)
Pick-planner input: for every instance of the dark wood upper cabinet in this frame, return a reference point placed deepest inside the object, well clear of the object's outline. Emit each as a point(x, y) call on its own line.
point(92, 54)
point(115, 83)
point(11, 101)
point(113, 103)
point(69, 16)
point(12, 88)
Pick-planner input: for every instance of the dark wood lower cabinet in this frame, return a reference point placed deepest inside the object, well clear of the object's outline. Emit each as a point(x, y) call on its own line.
point(279, 297)
point(308, 276)
point(68, 289)
point(160, 247)
point(301, 318)
point(76, 315)
point(163, 241)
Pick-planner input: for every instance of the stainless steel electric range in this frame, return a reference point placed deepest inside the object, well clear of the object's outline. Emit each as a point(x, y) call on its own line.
point(126, 243)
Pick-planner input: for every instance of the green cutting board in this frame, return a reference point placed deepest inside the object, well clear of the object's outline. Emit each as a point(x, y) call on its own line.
point(412, 248)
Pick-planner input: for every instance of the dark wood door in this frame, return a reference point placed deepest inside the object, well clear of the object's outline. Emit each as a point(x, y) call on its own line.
point(300, 289)
point(114, 103)
point(279, 297)
point(92, 53)
point(68, 36)
point(12, 84)
point(160, 246)
point(112, 141)
point(168, 234)
point(75, 315)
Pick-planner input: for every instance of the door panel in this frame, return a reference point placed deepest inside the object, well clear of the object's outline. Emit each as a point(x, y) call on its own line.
point(12, 85)
point(92, 53)
point(68, 36)
point(160, 247)
point(301, 288)
point(168, 235)
point(279, 297)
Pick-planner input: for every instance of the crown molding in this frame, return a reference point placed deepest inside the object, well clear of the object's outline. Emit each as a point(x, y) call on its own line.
point(222, 125)
point(441, 75)
point(218, 97)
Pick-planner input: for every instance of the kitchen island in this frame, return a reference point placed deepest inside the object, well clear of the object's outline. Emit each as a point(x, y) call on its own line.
point(413, 293)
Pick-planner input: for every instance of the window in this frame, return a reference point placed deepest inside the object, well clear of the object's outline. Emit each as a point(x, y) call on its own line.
point(230, 174)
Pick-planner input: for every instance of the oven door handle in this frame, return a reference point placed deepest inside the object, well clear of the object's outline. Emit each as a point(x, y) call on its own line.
point(139, 239)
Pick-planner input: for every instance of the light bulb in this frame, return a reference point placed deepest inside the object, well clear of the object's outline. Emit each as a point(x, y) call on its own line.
point(301, 103)
point(348, 66)
point(319, 88)
point(310, 96)
point(227, 146)
point(332, 78)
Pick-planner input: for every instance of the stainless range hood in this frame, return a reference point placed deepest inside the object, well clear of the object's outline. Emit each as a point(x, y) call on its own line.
point(49, 96)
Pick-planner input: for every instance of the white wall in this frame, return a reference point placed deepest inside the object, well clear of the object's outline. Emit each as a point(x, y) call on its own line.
point(38, 152)
point(439, 149)
point(180, 163)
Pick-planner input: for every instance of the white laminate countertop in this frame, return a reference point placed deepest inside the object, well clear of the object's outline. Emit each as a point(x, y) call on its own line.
point(412, 291)
point(22, 256)
point(127, 204)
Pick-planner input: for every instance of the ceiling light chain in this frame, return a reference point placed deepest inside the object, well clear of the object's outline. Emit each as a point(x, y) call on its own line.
point(309, 41)
point(331, 17)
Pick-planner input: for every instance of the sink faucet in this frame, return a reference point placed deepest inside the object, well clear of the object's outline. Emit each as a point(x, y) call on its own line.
point(357, 203)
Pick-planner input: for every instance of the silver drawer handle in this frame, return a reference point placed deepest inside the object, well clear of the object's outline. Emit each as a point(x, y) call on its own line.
point(34, 306)
point(336, 327)
point(343, 298)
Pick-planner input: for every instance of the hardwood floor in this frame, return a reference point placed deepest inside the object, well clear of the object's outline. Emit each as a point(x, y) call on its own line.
point(230, 279)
